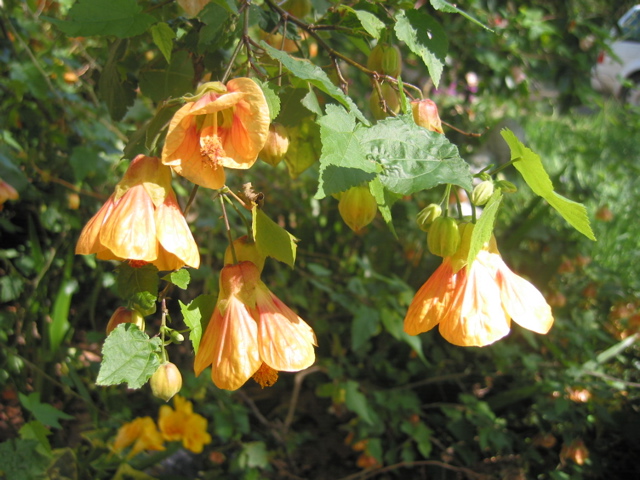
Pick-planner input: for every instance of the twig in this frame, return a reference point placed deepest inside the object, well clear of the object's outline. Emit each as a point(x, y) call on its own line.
point(377, 471)
point(47, 177)
point(468, 134)
point(297, 384)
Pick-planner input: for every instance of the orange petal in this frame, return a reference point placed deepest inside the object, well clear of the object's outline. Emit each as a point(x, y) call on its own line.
point(89, 241)
point(476, 317)
point(173, 232)
point(523, 302)
point(432, 302)
point(285, 340)
point(129, 231)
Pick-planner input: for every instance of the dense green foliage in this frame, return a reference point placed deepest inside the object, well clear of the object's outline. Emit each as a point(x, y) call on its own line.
point(77, 104)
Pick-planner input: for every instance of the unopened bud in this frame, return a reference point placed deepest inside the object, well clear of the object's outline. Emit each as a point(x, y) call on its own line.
point(166, 381)
point(427, 215)
point(357, 207)
point(482, 193)
point(246, 251)
point(391, 99)
point(506, 186)
point(443, 238)
point(176, 336)
point(385, 59)
point(125, 315)
point(425, 114)
point(276, 145)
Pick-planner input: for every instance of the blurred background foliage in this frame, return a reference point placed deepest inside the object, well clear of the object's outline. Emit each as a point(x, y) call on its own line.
point(378, 403)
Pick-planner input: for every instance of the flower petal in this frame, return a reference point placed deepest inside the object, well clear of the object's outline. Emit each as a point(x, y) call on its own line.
point(89, 241)
point(285, 340)
point(173, 232)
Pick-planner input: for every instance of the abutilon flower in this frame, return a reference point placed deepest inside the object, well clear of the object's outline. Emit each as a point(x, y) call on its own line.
point(182, 424)
point(252, 333)
point(474, 306)
point(142, 433)
point(141, 221)
point(226, 126)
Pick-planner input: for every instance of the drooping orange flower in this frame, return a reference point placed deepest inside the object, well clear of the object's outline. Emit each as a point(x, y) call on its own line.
point(142, 221)
point(252, 333)
point(7, 192)
point(474, 306)
point(182, 424)
point(226, 126)
point(142, 433)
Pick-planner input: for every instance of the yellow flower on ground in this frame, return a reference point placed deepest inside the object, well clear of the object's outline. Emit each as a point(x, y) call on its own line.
point(7, 192)
point(226, 126)
point(474, 306)
point(252, 332)
point(142, 433)
point(183, 425)
point(141, 221)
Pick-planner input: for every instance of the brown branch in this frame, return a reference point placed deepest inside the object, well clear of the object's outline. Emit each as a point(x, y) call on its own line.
point(48, 178)
point(377, 471)
point(297, 384)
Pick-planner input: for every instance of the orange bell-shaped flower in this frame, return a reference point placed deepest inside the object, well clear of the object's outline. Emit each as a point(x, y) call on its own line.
point(142, 221)
point(474, 306)
point(252, 333)
point(7, 192)
point(226, 126)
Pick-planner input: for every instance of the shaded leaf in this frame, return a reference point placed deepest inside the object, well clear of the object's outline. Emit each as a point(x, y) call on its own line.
point(114, 87)
point(163, 38)
point(173, 80)
point(372, 24)
point(43, 412)
point(21, 460)
point(366, 324)
point(138, 286)
point(357, 402)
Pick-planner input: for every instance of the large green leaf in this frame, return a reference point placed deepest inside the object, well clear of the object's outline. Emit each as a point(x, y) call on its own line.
point(128, 356)
point(114, 88)
point(121, 18)
point(312, 73)
point(530, 167)
point(271, 239)
point(425, 37)
point(160, 81)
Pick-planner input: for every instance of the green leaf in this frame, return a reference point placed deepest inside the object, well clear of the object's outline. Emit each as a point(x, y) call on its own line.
point(273, 101)
point(114, 88)
point(530, 167)
point(445, 6)
point(196, 316)
point(372, 24)
point(163, 37)
point(385, 200)
point(128, 356)
point(357, 402)
point(253, 455)
point(36, 430)
point(310, 102)
point(271, 239)
point(405, 104)
point(425, 37)
point(60, 325)
point(394, 325)
point(138, 286)
point(214, 16)
point(421, 434)
point(160, 82)
point(180, 278)
point(43, 412)
point(366, 324)
point(21, 460)
point(83, 160)
point(121, 18)
point(484, 226)
point(306, 70)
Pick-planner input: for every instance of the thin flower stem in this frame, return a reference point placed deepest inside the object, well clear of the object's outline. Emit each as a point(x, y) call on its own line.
point(502, 167)
point(447, 193)
point(192, 197)
point(228, 228)
point(234, 55)
point(163, 327)
point(244, 219)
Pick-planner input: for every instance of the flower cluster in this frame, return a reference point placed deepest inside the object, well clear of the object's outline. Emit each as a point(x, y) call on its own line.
point(180, 424)
point(473, 306)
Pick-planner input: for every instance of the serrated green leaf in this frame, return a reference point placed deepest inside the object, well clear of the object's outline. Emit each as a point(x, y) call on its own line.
point(163, 38)
point(180, 278)
point(310, 102)
point(372, 24)
point(530, 167)
point(121, 18)
point(159, 82)
point(271, 239)
point(43, 412)
point(214, 16)
point(385, 200)
point(114, 88)
point(445, 6)
point(335, 179)
point(484, 226)
point(196, 316)
point(36, 430)
point(273, 101)
point(128, 356)
point(312, 73)
point(21, 460)
point(425, 37)
point(357, 402)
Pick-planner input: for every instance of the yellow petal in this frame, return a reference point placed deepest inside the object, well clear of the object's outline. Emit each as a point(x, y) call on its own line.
point(129, 231)
point(476, 317)
point(523, 302)
point(174, 234)
point(285, 340)
point(432, 301)
point(89, 241)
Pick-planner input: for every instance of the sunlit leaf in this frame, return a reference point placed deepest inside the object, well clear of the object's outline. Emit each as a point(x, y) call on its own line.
point(163, 38)
point(271, 239)
point(196, 316)
point(484, 226)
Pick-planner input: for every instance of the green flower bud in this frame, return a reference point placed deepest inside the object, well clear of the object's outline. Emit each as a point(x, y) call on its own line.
point(125, 315)
point(276, 146)
point(482, 193)
point(506, 186)
point(246, 251)
point(176, 336)
point(166, 381)
point(385, 59)
point(374, 61)
point(357, 207)
point(391, 98)
point(427, 215)
point(443, 237)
